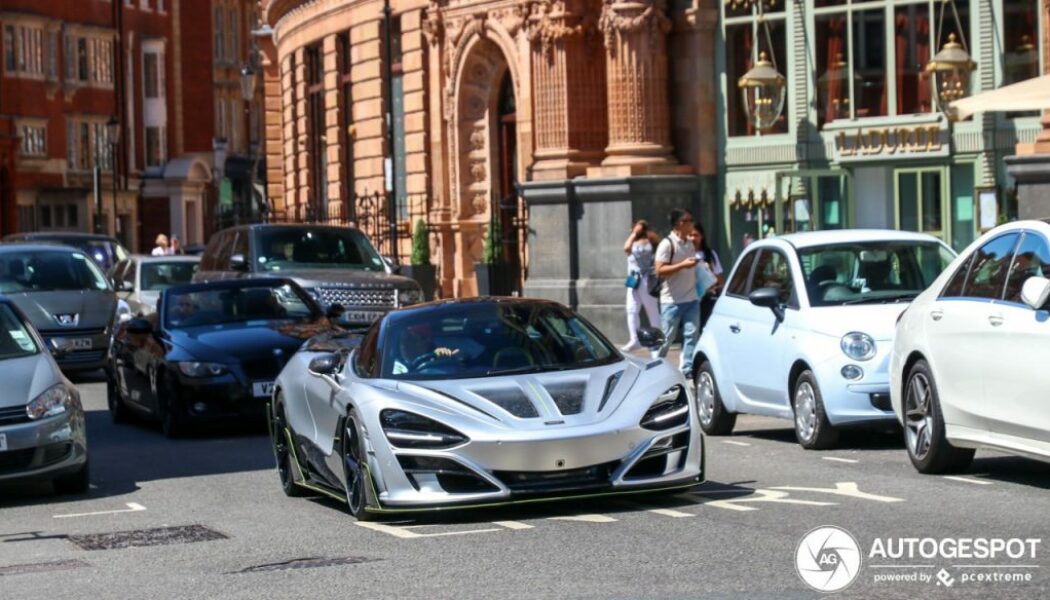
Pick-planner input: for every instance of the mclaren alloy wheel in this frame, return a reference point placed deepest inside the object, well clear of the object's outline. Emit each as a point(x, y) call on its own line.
point(282, 451)
point(357, 484)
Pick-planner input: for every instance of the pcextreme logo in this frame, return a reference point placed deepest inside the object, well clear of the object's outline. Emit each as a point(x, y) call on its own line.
point(828, 559)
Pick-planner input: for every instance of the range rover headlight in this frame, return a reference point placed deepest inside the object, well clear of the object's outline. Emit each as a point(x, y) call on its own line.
point(858, 346)
point(54, 401)
point(409, 297)
point(671, 409)
point(201, 369)
point(409, 430)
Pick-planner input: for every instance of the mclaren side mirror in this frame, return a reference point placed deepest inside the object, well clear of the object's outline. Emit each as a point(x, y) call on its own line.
point(768, 297)
point(1036, 292)
point(650, 337)
point(327, 367)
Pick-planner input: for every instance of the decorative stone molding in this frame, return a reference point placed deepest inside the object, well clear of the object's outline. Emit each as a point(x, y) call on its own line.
point(551, 22)
point(621, 17)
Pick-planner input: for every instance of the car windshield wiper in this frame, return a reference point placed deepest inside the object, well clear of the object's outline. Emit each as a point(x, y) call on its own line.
point(516, 370)
point(882, 299)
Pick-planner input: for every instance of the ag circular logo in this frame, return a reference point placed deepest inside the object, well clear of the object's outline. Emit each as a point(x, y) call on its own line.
point(828, 559)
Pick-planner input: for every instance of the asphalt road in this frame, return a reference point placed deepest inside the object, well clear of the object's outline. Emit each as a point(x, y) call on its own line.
point(734, 537)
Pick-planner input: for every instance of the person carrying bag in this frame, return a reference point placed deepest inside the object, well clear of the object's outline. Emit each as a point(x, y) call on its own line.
point(640, 247)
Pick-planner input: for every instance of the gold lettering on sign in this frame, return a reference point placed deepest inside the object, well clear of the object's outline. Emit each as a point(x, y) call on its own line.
point(888, 141)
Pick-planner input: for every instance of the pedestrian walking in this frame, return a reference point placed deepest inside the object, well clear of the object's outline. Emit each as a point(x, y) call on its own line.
point(176, 247)
point(679, 305)
point(712, 270)
point(640, 248)
point(161, 245)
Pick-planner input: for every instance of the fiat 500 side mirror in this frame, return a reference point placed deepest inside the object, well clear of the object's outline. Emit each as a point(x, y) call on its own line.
point(768, 297)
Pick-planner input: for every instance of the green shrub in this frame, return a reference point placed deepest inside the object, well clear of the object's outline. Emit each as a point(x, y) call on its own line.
point(420, 244)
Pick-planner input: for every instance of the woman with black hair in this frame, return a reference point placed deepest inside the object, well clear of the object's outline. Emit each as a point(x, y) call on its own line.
point(709, 260)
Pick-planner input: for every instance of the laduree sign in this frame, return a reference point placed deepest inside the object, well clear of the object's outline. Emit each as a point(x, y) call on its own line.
point(885, 143)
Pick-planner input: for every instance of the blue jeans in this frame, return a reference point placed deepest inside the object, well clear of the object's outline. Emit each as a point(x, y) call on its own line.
point(685, 316)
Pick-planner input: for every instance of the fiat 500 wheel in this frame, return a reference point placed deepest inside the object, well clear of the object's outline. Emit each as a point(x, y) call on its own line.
point(714, 418)
point(812, 428)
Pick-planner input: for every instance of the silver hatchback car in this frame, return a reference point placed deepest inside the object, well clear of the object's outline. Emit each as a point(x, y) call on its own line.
point(42, 432)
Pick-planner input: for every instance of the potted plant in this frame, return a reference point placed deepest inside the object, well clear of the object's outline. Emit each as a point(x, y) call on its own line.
point(491, 259)
point(420, 269)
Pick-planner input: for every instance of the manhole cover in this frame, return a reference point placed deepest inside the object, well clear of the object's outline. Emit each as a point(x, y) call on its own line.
point(146, 537)
point(58, 565)
point(308, 563)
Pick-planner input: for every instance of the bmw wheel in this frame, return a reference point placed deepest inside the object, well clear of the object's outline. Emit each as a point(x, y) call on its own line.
point(812, 428)
point(357, 484)
point(928, 449)
point(714, 418)
point(282, 450)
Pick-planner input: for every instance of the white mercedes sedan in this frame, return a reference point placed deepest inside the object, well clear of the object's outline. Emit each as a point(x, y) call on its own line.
point(971, 362)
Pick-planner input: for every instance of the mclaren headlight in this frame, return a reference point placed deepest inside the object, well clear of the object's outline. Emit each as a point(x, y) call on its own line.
point(55, 400)
point(858, 346)
point(195, 368)
point(671, 409)
point(409, 297)
point(409, 430)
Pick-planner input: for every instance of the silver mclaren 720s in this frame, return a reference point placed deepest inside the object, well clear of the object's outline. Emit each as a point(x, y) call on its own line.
point(467, 403)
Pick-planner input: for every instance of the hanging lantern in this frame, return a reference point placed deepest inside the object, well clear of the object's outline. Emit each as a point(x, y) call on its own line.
point(1023, 62)
point(950, 71)
point(763, 90)
point(833, 87)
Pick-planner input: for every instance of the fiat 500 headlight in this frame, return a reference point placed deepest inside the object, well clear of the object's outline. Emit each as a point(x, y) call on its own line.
point(54, 401)
point(201, 369)
point(858, 346)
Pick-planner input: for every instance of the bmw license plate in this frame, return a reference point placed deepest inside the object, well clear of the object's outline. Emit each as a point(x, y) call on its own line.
point(3, 442)
point(262, 389)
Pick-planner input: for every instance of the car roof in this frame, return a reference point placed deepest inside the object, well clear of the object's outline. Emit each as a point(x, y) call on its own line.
point(278, 226)
point(9, 247)
point(844, 236)
point(59, 235)
point(439, 305)
point(167, 258)
point(224, 284)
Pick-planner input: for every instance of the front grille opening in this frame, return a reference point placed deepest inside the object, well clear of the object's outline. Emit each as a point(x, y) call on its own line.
point(358, 298)
point(567, 396)
point(666, 456)
point(14, 461)
point(667, 414)
point(510, 399)
point(610, 385)
point(13, 415)
point(526, 482)
point(428, 473)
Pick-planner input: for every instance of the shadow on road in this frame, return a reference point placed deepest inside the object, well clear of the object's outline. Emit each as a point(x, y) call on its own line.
point(1012, 469)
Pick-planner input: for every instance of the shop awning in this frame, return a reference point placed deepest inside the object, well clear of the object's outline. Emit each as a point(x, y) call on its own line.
point(1031, 94)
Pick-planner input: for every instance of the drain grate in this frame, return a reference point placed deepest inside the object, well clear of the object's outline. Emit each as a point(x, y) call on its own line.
point(58, 565)
point(160, 536)
point(308, 563)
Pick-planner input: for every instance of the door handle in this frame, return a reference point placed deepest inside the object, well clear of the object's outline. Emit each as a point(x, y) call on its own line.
point(995, 320)
point(735, 328)
point(936, 314)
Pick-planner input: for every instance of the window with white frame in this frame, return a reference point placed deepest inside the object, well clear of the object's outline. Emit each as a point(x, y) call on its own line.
point(89, 59)
point(151, 75)
point(155, 147)
point(88, 144)
point(24, 50)
point(34, 139)
point(219, 42)
point(233, 51)
point(746, 40)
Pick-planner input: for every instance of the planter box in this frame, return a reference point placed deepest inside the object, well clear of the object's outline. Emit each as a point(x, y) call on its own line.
point(494, 280)
point(425, 276)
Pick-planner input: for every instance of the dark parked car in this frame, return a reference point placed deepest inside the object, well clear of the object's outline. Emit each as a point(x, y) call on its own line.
point(335, 265)
point(211, 351)
point(66, 297)
point(105, 250)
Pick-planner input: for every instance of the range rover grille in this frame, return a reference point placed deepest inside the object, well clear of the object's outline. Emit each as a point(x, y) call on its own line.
point(349, 297)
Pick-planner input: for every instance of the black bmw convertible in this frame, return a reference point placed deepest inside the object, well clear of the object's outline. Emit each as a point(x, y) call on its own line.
point(211, 351)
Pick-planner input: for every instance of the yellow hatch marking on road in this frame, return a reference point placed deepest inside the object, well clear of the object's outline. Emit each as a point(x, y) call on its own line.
point(512, 524)
point(842, 488)
point(735, 443)
point(585, 519)
point(837, 459)
point(761, 495)
point(967, 480)
point(131, 507)
point(669, 512)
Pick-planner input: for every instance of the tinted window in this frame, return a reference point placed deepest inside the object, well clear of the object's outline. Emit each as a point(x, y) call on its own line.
point(222, 306)
point(211, 252)
point(129, 273)
point(15, 340)
point(772, 270)
point(1032, 259)
point(990, 267)
point(294, 248)
point(954, 289)
point(162, 275)
point(240, 245)
point(48, 271)
point(368, 357)
point(738, 284)
point(116, 272)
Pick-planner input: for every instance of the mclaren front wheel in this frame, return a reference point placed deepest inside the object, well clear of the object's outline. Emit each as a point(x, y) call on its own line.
point(282, 451)
point(357, 481)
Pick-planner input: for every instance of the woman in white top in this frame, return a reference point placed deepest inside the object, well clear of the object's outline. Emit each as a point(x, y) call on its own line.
point(161, 248)
point(706, 255)
point(640, 248)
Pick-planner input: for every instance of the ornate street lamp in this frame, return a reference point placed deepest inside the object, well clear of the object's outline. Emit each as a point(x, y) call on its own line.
point(763, 90)
point(950, 68)
point(248, 81)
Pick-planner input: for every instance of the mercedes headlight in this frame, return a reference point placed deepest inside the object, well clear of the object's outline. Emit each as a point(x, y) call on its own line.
point(671, 409)
point(858, 346)
point(409, 297)
point(54, 401)
point(201, 369)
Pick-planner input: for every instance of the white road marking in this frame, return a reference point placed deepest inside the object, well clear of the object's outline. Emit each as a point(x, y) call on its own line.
point(842, 488)
point(967, 480)
point(585, 518)
point(512, 524)
point(404, 533)
point(735, 443)
point(761, 495)
point(131, 507)
point(837, 459)
point(669, 512)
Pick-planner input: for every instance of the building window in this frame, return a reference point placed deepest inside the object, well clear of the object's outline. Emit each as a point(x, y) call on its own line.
point(52, 56)
point(34, 140)
point(346, 120)
point(154, 146)
point(24, 50)
point(219, 43)
point(1020, 40)
point(745, 39)
point(88, 144)
point(233, 38)
point(150, 75)
point(851, 77)
point(317, 147)
point(89, 59)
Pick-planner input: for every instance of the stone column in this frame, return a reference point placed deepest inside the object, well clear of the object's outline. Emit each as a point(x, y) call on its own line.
point(636, 66)
point(569, 87)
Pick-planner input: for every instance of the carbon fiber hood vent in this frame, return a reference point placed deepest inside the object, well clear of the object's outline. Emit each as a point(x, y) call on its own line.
point(567, 395)
point(510, 399)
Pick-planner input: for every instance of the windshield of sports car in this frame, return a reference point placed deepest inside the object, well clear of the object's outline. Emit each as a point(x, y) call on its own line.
point(158, 276)
point(48, 271)
point(871, 272)
point(15, 340)
point(295, 248)
point(248, 305)
point(491, 339)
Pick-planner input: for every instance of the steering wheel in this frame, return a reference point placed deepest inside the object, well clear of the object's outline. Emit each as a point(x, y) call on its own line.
point(424, 360)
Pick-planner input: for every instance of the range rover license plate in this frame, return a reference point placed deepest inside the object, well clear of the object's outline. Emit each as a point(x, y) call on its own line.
point(362, 316)
point(262, 389)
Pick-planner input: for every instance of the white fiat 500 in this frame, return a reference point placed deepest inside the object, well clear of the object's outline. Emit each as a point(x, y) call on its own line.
point(971, 362)
point(804, 329)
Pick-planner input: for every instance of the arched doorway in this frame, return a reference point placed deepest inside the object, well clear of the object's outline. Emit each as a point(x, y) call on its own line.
point(507, 204)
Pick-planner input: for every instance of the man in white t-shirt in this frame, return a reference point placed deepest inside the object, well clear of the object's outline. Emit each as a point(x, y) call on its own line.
point(679, 304)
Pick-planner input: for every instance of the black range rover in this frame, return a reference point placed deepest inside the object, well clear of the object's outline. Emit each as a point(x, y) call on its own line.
point(335, 265)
